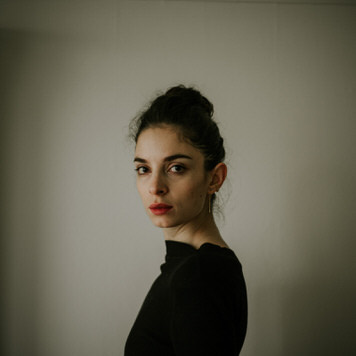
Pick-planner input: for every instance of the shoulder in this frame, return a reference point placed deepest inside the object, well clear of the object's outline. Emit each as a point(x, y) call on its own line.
point(210, 265)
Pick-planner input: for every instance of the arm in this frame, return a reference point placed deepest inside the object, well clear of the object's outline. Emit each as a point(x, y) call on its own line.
point(201, 325)
point(209, 309)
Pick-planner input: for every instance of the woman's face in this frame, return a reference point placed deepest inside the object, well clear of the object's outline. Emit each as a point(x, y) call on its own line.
point(171, 178)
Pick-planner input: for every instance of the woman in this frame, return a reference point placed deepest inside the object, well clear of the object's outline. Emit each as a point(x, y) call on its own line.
point(197, 305)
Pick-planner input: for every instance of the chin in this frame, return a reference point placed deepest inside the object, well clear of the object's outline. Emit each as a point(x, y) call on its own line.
point(163, 223)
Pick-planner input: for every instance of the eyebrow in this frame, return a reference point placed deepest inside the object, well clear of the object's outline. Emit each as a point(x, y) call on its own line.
point(167, 159)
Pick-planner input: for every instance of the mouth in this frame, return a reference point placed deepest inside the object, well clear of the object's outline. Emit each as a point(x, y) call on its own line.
point(160, 209)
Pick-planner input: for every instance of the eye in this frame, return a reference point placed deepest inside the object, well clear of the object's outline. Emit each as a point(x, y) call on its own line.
point(141, 170)
point(177, 169)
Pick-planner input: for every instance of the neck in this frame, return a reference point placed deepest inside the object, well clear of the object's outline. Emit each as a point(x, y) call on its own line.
point(197, 233)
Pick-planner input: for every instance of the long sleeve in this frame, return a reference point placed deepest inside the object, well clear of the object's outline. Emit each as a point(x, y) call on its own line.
point(208, 310)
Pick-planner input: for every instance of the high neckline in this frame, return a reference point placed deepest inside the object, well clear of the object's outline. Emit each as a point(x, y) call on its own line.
point(183, 249)
point(178, 248)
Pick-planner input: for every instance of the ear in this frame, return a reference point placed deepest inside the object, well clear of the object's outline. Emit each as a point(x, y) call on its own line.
point(218, 175)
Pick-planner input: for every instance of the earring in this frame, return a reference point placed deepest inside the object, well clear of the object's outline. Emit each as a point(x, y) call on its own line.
point(209, 203)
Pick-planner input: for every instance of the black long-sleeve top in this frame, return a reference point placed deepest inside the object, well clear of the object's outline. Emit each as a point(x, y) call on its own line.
point(196, 307)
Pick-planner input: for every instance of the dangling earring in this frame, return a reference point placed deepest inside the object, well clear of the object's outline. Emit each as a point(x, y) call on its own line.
point(209, 203)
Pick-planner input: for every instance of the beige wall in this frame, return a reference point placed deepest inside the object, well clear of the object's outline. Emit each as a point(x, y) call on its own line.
point(77, 251)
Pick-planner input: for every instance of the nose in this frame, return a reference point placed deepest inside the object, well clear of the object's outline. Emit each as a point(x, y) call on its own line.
point(157, 185)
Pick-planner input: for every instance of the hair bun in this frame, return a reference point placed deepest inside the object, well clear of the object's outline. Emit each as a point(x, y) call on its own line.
point(191, 97)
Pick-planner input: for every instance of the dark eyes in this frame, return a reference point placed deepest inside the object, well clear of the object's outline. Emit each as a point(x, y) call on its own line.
point(177, 168)
point(141, 170)
point(173, 169)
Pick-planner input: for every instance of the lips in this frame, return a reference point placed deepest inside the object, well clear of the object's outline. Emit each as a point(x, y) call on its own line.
point(160, 209)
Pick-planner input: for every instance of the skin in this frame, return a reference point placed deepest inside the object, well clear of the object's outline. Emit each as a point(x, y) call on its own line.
point(171, 171)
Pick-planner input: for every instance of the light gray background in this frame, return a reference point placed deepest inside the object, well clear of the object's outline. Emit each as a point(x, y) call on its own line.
point(78, 253)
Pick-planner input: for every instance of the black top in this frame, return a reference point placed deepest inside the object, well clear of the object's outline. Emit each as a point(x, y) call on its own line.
point(196, 307)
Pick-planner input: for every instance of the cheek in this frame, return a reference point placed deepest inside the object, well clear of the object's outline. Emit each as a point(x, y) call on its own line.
point(197, 191)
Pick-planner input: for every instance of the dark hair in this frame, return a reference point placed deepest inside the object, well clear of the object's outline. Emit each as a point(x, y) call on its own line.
point(192, 113)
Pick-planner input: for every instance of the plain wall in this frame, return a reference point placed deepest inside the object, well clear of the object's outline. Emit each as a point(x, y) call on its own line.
point(78, 253)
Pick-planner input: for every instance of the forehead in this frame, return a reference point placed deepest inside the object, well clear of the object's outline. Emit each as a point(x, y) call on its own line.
point(160, 142)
